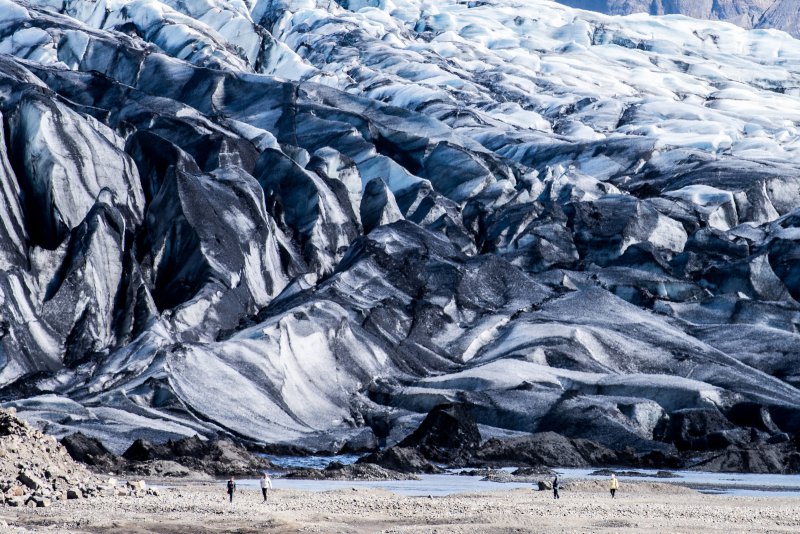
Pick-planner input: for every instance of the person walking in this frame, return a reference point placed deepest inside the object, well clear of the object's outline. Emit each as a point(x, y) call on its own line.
point(231, 488)
point(614, 485)
point(266, 485)
point(555, 487)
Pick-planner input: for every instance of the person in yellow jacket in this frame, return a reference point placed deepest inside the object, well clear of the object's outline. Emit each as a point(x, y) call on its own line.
point(614, 485)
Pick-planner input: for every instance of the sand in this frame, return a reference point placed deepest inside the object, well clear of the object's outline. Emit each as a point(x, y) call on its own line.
point(203, 508)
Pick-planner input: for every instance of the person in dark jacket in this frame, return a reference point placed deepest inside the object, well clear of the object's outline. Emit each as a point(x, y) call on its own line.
point(555, 488)
point(231, 488)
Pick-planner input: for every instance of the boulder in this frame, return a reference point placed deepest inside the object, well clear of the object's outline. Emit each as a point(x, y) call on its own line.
point(89, 451)
point(30, 480)
point(140, 451)
point(447, 431)
point(137, 485)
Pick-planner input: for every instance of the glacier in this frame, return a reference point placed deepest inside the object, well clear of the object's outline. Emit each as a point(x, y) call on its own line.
point(307, 221)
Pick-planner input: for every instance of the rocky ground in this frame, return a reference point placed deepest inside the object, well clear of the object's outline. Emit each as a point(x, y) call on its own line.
point(36, 470)
point(202, 508)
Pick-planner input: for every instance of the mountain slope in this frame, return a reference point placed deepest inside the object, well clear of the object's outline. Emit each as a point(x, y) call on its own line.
point(783, 15)
point(312, 222)
point(778, 14)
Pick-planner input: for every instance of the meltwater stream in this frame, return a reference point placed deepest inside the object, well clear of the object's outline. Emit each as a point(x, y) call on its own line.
point(758, 485)
point(433, 485)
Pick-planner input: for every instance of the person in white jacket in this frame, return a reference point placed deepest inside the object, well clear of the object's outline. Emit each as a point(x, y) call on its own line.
point(266, 485)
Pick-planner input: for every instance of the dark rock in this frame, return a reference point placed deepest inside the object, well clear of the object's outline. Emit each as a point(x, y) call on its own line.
point(89, 451)
point(698, 429)
point(32, 481)
point(401, 459)
point(192, 446)
point(219, 457)
point(288, 449)
point(659, 459)
point(141, 451)
point(787, 418)
point(360, 471)
point(751, 414)
point(161, 469)
point(542, 449)
point(780, 437)
point(774, 459)
point(447, 431)
point(334, 466)
point(532, 471)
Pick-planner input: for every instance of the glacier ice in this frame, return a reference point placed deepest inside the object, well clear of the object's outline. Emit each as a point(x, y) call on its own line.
point(285, 220)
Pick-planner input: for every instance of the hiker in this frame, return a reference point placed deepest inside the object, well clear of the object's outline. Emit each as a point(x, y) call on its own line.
point(614, 485)
point(555, 487)
point(231, 488)
point(266, 485)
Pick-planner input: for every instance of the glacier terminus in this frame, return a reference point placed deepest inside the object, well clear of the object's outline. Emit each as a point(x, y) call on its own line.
point(310, 222)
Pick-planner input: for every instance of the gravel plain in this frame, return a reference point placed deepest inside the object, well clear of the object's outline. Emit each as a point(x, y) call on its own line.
point(202, 508)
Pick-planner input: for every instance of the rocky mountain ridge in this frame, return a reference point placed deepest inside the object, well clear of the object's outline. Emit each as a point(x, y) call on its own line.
point(779, 14)
point(308, 223)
